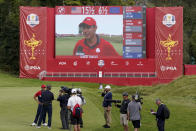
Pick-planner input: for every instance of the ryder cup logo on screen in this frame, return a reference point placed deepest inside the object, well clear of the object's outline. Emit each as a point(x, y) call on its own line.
point(169, 20)
point(101, 63)
point(32, 20)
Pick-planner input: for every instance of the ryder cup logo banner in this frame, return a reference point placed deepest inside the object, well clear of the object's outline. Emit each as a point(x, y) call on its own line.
point(169, 20)
point(32, 20)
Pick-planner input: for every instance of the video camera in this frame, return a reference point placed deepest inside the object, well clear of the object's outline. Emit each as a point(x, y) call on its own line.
point(138, 98)
point(115, 101)
point(66, 90)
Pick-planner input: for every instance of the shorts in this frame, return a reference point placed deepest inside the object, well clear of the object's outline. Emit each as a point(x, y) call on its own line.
point(75, 120)
point(136, 123)
point(123, 119)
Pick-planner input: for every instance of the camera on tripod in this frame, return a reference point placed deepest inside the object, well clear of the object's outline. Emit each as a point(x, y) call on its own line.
point(138, 98)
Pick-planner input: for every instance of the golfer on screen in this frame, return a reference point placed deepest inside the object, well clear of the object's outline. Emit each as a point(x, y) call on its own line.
point(92, 44)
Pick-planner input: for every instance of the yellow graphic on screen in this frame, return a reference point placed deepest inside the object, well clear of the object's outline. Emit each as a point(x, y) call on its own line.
point(33, 43)
point(169, 43)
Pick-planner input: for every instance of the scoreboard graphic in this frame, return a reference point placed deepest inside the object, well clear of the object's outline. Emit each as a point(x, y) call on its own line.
point(134, 32)
point(125, 23)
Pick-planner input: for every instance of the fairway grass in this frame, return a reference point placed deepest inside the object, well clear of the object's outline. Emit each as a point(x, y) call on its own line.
point(18, 109)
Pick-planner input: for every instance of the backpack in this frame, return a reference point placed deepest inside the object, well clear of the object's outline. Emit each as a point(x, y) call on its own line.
point(77, 111)
point(166, 112)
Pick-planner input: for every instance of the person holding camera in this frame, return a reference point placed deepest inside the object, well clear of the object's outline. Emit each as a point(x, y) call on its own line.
point(123, 111)
point(47, 98)
point(133, 112)
point(107, 105)
point(63, 99)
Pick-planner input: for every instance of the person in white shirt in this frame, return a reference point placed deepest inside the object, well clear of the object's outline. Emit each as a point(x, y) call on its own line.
point(73, 100)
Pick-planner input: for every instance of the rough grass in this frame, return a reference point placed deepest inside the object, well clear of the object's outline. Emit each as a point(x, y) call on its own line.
point(17, 107)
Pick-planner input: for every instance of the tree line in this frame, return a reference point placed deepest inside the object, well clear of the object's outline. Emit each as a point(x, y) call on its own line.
point(9, 24)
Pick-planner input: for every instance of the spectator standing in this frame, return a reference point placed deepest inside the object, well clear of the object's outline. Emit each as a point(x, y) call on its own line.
point(159, 115)
point(107, 105)
point(133, 112)
point(38, 98)
point(47, 97)
point(74, 100)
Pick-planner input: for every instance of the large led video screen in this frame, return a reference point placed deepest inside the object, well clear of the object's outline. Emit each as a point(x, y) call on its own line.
point(99, 32)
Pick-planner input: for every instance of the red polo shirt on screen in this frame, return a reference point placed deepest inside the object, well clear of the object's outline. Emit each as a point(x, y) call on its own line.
point(102, 48)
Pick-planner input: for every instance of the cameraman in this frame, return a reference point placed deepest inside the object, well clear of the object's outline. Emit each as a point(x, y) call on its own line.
point(123, 111)
point(63, 99)
point(133, 112)
point(107, 105)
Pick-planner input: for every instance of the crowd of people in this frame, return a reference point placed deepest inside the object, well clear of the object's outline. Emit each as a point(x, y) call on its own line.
point(72, 100)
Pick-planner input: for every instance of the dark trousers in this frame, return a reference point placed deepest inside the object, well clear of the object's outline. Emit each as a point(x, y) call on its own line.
point(46, 109)
point(160, 125)
point(64, 118)
point(38, 114)
point(81, 122)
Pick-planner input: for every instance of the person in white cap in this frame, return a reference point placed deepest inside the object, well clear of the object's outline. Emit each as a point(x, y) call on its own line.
point(107, 105)
point(73, 100)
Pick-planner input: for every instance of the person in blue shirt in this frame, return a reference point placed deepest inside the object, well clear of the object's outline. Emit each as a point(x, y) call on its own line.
point(47, 98)
point(37, 97)
point(107, 105)
point(159, 115)
point(63, 99)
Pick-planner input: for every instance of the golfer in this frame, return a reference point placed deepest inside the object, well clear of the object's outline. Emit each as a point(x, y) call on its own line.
point(92, 45)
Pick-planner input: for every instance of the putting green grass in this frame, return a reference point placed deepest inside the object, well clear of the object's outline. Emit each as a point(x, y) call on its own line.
point(18, 109)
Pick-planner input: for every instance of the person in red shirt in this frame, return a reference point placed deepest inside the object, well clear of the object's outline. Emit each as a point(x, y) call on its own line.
point(92, 45)
point(38, 98)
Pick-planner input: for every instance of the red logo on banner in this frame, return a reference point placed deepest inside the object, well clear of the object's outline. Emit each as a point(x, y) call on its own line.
point(33, 43)
point(169, 43)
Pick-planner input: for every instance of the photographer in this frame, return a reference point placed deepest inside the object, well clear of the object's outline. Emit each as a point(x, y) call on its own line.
point(123, 111)
point(63, 99)
point(107, 105)
point(133, 112)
